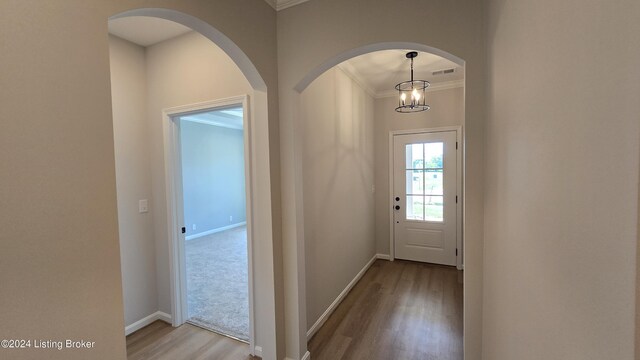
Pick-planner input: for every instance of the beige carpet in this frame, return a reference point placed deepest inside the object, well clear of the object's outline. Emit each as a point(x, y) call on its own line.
point(217, 282)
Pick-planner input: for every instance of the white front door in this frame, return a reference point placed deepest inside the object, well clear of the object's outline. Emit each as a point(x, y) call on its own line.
point(424, 197)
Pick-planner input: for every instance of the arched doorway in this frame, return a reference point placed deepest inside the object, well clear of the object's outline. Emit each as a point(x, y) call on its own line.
point(294, 124)
point(259, 219)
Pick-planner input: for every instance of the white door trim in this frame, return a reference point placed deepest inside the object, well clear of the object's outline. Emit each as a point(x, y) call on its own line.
point(175, 212)
point(459, 188)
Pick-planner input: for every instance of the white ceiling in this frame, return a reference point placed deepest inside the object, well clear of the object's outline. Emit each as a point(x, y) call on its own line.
point(144, 30)
point(229, 118)
point(380, 71)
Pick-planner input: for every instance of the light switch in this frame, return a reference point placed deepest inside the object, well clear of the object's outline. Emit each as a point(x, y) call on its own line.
point(143, 206)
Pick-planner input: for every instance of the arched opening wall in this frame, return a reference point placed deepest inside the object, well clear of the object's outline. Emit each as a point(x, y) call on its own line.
point(446, 29)
point(169, 85)
point(345, 117)
point(57, 58)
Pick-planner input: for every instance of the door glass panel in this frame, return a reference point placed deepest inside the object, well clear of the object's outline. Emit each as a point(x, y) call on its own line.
point(425, 176)
point(433, 154)
point(433, 182)
point(415, 207)
point(433, 208)
point(415, 156)
point(415, 182)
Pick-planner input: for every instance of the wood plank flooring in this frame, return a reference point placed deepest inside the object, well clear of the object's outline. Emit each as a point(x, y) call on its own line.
point(399, 310)
point(160, 341)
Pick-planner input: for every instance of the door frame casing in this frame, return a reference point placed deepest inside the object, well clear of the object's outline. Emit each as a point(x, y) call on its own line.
point(459, 187)
point(175, 203)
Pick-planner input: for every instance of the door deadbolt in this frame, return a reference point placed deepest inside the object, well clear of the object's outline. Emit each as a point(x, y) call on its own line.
point(397, 198)
point(397, 207)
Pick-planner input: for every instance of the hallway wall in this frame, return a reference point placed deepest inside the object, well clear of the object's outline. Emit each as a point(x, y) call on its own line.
point(337, 162)
point(318, 31)
point(60, 257)
point(561, 190)
point(133, 178)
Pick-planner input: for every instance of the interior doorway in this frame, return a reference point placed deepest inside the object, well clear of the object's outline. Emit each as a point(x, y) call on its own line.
point(212, 205)
point(214, 199)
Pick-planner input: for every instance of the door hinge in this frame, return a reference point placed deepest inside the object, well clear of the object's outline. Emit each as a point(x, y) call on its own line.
point(456, 145)
point(456, 199)
point(456, 252)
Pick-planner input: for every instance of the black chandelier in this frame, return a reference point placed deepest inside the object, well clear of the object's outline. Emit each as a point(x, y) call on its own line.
point(411, 94)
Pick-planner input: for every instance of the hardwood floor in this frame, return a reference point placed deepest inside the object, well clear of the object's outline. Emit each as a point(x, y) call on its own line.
point(399, 310)
point(160, 341)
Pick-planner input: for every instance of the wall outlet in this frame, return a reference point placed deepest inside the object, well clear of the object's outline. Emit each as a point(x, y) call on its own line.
point(193, 227)
point(143, 206)
point(230, 218)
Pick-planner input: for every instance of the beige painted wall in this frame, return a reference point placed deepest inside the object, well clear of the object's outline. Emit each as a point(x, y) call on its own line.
point(637, 337)
point(133, 178)
point(59, 257)
point(561, 179)
point(337, 157)
point(310, 35)
point(447, 109)
point(59, 252)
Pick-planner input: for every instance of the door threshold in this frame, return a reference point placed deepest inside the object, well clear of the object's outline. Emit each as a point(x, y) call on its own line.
point(427, 263)
point(217, 332)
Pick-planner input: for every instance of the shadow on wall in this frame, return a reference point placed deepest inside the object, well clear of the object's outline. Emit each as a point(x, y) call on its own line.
point(337, 184)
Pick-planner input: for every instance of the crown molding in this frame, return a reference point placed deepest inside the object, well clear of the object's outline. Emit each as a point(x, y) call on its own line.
point(283, 4)
point(354, 75)
point(434, 87)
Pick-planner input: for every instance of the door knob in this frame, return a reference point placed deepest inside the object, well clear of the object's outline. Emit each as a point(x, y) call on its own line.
point(397, 198)
point(397, 207)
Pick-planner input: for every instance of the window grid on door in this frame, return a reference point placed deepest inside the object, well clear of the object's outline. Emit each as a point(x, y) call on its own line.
point(424, 171)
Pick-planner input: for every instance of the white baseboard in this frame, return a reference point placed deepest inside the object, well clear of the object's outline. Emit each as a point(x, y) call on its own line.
point(323, 318)
point(383, 256)
point(213, 231)
point(257, 351)
point(158, 315)
point(306, 356)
